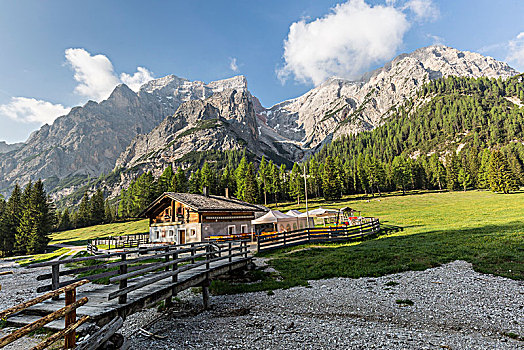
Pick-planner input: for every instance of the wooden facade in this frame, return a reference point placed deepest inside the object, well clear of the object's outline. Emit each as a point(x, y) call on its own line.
point(180, 218)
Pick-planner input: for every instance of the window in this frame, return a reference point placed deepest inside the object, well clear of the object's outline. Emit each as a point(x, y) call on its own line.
point(170, 233)
point(192, 232)
point(231, 230)
point(243, 228)
point(294, 226)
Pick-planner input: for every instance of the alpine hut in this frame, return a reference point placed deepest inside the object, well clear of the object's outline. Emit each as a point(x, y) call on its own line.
point(180, 218)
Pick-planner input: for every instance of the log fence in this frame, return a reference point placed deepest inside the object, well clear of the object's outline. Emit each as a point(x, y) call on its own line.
point(68, 312)
point(367, 227)
point(121, 242)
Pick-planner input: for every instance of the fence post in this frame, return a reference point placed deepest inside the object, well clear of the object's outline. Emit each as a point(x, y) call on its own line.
point(308, 236)
point(166, 258)
point(284, 233)
point(229, 251)
point(258, 244)
point(208, 250)
point(192, 252)
point(55, 278)
point(70, 318)
point(246, 250)
point(123, 283)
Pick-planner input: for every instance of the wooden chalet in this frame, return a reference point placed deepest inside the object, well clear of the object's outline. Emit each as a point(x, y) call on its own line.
point(180, 218)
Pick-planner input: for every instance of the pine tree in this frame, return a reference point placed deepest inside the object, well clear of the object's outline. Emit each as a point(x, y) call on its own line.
point(180, 181)
point(250, 190)
point(452, 170)
point(10, 220)
point(296, 183)
point(464, 178)
point(83, 213)
point(330, 184)
point(96, 208)
point(263, 178)
point(165, 180)
point(500, 178)
point(400, 173)
point(65, 221)
point(207, 178)
point(240, 176)
point(194, 182)
point(108, 213)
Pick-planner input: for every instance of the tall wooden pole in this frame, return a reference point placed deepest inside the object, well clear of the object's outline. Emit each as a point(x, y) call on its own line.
point(305, 193)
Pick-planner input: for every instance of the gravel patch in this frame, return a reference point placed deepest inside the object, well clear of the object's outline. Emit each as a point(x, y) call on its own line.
point(453, 307)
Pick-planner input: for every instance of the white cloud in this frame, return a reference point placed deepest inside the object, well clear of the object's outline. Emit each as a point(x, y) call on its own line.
point(94, 73)
point(345, 42)
point(516, 51)
point(135, 81)
point(423, 9)
point(96, 78)
point(233, 64)
point(30, 110)
point(437, 40)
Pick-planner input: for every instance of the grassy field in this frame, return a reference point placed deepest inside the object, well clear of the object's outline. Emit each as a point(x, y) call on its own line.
point(483, 228)
point(80, 236)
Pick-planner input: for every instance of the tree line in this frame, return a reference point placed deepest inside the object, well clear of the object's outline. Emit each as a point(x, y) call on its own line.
point(92, 210)
point(26, 220)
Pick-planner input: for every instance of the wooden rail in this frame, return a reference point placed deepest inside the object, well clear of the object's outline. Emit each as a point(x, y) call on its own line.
point(368, 227)
point(121, 242)
point(68, 311)
point(56, 272)
point(142, 277)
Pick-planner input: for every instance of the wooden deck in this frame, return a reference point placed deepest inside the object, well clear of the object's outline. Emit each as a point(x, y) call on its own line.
point(101, 309)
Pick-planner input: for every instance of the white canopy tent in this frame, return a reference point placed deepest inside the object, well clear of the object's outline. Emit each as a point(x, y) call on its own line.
point(294, 212)
point(323, 213)
point(281, 222)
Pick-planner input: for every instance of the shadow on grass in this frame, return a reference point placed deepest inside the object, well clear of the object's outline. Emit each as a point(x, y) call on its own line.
point(494, 249)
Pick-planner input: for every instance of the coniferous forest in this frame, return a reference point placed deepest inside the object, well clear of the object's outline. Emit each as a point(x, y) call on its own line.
point(455, 134)
point(26, 220)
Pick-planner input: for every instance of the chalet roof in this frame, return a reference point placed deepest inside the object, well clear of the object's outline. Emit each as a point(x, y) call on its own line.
point(209, 203)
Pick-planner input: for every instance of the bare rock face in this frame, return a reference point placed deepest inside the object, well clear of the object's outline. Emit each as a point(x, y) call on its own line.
point(8, 147)
point(339, 107)
point(89, 139)
point(227, 120)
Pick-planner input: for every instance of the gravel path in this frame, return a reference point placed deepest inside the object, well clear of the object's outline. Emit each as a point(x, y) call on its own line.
point(453, 307)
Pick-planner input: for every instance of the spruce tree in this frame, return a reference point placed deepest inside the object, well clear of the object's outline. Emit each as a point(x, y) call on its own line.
point(10, 220)
point(108, 213)
point(330, 184)
point(250, 190)
point(65, 221)
point(500, 178)
point(96, 210)
point(240, 176)
point(83, 214)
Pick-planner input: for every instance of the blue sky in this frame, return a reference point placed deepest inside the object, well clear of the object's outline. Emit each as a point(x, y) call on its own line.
point(284, 48)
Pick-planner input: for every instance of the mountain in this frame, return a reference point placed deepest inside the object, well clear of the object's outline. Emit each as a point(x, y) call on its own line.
point(89, 139)
point(339, 106)
point(8, 147)
point(172, 119)
point(225, 121)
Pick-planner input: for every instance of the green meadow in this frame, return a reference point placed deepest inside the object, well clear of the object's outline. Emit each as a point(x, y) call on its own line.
point(81, 236)
point(420, 230)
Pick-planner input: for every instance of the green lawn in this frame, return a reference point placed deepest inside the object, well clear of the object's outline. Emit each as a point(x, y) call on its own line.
point(483, 228)
point(80, 236)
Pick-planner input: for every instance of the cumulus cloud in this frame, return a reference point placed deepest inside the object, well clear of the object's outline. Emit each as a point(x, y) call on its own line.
point(233, 64)
point(345, 42)
point(94, 74)
point(30, 110)
point(96, 80)
point(423, 9)
point(136, 80)
point(516, 51)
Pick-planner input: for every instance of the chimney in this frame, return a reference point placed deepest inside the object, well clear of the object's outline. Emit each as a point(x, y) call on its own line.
point(204, 191)
point(227, 192)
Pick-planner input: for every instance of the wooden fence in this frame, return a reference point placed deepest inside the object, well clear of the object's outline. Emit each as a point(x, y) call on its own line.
point(133, 263)
point(68, 312)
point(121, 242)
point(368, 227)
